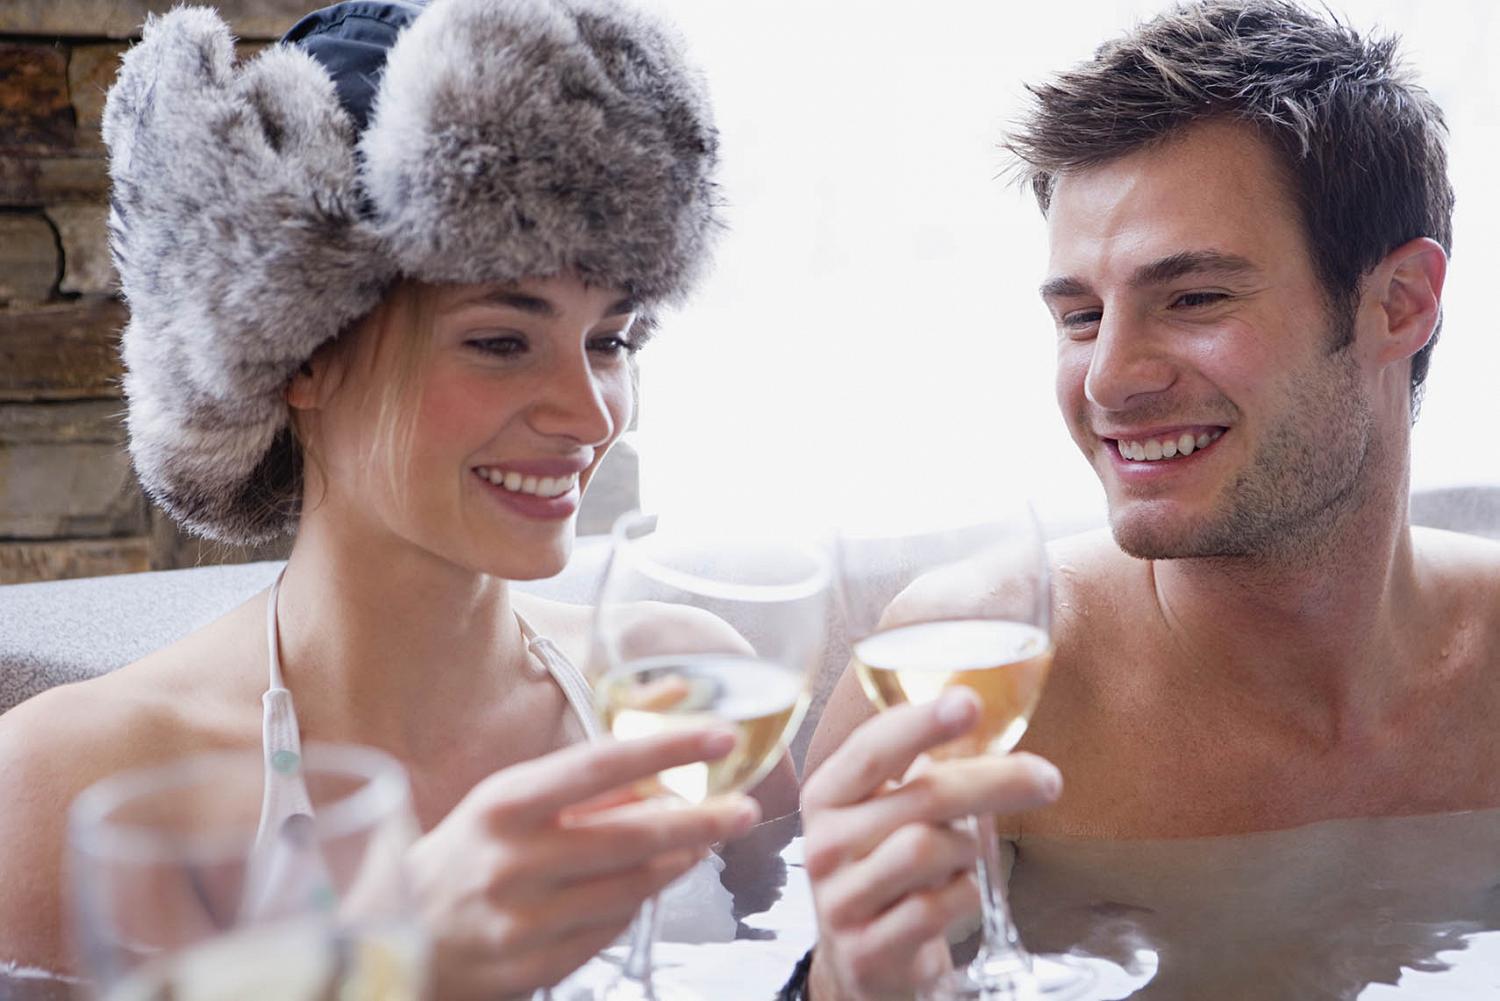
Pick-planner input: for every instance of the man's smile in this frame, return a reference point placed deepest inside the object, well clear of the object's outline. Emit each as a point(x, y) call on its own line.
point(1159, 446)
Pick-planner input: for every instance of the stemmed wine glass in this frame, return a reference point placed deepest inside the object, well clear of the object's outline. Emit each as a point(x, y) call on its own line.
point(966, 606)
point(694, 630)
point(174, 894)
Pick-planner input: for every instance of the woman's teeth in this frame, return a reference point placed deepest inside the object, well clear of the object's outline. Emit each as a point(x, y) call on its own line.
point(538, 486)
point(1155, 449)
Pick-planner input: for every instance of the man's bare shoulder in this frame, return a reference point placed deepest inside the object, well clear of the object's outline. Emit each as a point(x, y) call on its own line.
point(1453, 557)
point(1091, 570)
point(1461, 574)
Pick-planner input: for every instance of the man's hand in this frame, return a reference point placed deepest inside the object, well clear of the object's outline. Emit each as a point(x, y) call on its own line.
point(890, 870)
point(544, 863)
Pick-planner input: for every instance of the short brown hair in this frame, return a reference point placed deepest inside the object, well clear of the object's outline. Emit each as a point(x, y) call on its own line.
point(1362, 145)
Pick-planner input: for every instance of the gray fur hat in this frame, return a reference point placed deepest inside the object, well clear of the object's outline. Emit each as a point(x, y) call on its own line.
point(255, 215)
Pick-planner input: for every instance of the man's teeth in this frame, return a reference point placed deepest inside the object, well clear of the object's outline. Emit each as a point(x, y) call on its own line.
point(539, 486)
point(1155, 449)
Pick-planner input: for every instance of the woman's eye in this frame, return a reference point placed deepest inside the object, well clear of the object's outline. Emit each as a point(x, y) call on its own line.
point(499, 345)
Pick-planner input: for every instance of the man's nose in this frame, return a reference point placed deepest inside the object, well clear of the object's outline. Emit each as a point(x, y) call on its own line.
point(1129, 361)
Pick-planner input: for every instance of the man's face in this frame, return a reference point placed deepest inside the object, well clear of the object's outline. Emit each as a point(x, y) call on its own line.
point(1198, 366)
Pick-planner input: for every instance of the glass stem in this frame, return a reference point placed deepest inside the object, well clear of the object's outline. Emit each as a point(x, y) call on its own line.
point(642, 934)
point(1002, 964)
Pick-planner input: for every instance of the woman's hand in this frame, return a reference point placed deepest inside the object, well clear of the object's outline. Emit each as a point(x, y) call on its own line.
point(890, 871)
point(544, 864)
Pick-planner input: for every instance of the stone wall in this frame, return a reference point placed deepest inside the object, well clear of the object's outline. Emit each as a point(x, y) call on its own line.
point(69, 502)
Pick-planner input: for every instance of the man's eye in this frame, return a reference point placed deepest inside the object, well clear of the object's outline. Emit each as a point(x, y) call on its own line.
point(1079, 321)
point(613, 344)
point(1190, 300)
point(499, 345)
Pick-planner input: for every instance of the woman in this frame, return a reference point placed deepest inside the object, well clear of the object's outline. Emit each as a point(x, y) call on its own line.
point(386, 281)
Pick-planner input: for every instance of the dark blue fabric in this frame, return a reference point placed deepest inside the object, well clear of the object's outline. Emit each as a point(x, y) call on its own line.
point(351, 40)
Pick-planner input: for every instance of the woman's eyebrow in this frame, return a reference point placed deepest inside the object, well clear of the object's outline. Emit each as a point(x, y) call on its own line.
point(534, 305)
point(510, 299)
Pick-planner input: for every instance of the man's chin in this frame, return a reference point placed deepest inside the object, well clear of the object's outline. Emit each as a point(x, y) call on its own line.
point(1156, 534)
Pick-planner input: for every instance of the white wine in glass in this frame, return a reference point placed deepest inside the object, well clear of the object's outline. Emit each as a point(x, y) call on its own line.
point(1004, 663)
point(966, 607)
point(760, 699)
point(699, 630)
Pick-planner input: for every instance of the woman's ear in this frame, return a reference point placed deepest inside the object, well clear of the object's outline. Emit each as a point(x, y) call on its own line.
point(314, 382)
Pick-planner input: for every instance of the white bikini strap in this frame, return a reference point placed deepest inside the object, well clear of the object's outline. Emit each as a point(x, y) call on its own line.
point(273, 636)
point(567, 676)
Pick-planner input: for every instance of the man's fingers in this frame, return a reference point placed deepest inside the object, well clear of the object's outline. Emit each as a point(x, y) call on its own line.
point(945, 792)
point(882, 748)
point(535, 791)
point(915, 858)
point(921, 916)
point(902, 949)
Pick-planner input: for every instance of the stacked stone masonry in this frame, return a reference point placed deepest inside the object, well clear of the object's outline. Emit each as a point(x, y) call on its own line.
point(69, 503)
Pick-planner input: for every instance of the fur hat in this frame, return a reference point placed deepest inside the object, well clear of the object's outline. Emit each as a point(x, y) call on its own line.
point(255, 215)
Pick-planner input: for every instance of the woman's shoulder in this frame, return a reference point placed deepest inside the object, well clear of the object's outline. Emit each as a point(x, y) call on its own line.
point(568, 626)
point(53, 746)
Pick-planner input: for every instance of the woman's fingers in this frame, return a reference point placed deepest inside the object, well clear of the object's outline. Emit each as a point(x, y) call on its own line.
point(533, 793)
point(517, 973)
point(916, 858)
point(628, 837)
point(608, 902)
point(882, 748)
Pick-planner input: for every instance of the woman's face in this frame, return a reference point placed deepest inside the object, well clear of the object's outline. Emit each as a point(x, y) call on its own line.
point(519, 395)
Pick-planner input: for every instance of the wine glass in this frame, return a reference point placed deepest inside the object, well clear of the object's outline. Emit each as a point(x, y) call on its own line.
point(175, 896)
point(966, 606)
point(700, 630)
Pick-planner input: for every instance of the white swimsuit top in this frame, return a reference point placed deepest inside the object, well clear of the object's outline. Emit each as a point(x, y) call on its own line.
point(286, 808)
point(282, 871)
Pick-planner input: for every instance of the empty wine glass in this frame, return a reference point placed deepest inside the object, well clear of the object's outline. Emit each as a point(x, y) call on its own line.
point(178, 893)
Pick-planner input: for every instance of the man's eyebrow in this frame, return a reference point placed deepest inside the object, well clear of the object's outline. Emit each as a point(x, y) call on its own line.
point(1063, 288)
point(1158, 272)
point(1191, 262)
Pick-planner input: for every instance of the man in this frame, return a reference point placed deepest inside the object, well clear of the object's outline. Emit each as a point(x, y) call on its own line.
point(1249, 219)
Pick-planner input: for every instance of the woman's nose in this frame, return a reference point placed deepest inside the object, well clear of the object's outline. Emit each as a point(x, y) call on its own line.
point(575, 406)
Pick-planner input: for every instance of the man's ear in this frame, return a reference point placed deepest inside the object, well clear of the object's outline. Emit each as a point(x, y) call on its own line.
point(1409, 284)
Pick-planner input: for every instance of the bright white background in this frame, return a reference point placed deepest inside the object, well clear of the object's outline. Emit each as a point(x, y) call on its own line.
point(871, 343)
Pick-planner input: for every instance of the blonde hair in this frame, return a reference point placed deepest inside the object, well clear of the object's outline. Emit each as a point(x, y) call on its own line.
point(387, 349)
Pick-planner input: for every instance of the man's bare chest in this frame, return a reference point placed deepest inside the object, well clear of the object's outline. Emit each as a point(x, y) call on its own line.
point(1158, 764)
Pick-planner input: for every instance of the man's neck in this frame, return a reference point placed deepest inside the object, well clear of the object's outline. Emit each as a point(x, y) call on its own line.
point(1312, 634)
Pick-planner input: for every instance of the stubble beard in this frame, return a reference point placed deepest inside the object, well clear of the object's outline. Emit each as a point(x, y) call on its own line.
point(1311, 468)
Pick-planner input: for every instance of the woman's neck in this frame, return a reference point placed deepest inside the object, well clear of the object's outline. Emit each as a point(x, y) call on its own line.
point(386, 643)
